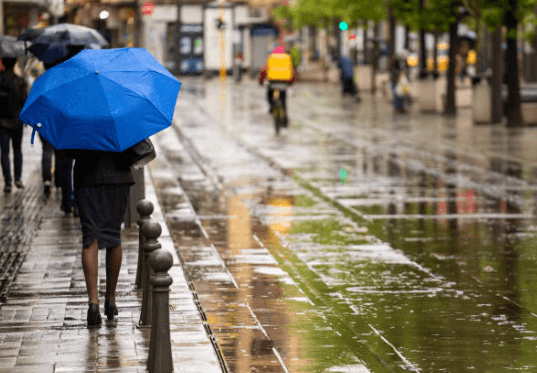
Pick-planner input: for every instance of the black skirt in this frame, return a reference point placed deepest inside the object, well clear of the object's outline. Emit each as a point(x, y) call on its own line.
point(102, 209)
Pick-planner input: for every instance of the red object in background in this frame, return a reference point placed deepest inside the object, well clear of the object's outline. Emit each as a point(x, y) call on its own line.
point(2, 68)
point(352, 37)
point(466, 202)
point(148, 8)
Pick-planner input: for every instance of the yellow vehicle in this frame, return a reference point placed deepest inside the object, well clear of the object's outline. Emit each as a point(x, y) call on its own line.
point(442, 58)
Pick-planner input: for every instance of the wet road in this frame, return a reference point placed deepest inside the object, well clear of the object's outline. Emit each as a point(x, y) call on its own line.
point(355, 241)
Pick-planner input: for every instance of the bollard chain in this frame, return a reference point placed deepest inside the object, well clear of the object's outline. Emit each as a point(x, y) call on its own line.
point(151, 231)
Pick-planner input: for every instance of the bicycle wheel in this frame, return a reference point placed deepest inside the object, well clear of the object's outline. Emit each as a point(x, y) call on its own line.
point(276, 110)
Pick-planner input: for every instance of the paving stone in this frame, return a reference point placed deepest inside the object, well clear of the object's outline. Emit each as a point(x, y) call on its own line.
point(43, 318)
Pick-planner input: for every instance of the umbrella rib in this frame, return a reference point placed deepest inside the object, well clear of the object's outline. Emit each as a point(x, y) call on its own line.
point(68, 82)
point(109, 108)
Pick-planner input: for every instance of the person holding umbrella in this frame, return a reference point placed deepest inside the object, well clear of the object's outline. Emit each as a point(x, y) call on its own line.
point(95, 106)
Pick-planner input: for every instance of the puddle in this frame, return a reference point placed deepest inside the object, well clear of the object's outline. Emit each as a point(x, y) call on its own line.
point(431, 269)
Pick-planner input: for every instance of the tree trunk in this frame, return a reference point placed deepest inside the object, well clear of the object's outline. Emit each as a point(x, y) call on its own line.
point(478, 43)
point(406, 37)
point(483, 57)
point(365, 26)
point(514, 114)
point(337, 37)
point(423, 54)
point(391, 51)
point(407, 42)
point(374, 58)
point(451, 108)
point(496, 86)
point(435, 54)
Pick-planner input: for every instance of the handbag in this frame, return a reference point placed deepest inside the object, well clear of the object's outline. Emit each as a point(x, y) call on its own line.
point(137, 156)
point(402, 88)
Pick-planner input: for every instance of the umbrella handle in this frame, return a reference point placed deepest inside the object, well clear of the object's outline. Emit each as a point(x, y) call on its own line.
point(33, 136)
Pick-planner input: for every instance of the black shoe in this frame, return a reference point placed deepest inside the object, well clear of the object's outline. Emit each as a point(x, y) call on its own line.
point(110, 309)
point(94, 316)
point(7, 189)
point(19, 184)
point(47, 185)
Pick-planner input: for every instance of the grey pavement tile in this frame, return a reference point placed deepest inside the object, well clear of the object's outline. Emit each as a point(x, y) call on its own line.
point(8, 351)
point(7, 363)
point(11, 301)
point(35, 335)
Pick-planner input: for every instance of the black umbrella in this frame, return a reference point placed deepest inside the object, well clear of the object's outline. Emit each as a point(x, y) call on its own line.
point(50, 53)
point(11, 47)
point(31, 34)
point(65, 33)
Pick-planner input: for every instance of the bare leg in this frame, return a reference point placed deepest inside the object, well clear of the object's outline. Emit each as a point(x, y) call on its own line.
point(90, 264)
point(113, 266)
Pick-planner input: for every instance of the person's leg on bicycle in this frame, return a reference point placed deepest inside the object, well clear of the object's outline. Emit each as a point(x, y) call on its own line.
point(283, 95)
point(270, 93)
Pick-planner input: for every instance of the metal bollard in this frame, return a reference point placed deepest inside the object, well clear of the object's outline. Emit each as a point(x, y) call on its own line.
point(151, 231)
point(160, 349)
point(145, 209)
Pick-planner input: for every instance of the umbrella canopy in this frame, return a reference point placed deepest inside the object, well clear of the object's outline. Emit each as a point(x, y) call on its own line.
point(11, 47)
point(67, 33)
point(102, 99)
point(50, 53)
point(31, 33)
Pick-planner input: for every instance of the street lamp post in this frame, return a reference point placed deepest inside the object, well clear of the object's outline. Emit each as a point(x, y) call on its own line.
point(178, 40)
point(221, 29)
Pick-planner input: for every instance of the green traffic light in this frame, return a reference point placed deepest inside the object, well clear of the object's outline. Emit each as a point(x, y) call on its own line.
point(343, 26)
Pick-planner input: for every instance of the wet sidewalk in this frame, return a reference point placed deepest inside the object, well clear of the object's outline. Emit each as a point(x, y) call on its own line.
point(43, 317)
point(437, 254)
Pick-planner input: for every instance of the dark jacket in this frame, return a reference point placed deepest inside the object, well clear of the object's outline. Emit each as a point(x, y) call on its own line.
point(93, 168)
point(347, 68)
point(19, 95)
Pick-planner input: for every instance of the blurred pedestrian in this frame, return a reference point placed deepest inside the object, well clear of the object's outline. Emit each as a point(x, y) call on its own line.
point(13, 94)
point(396, 74)
point(101, 181)
point(347, 77)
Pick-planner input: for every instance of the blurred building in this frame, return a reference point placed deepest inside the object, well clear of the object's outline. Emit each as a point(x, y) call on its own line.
point(248, 27)
point(18, 15)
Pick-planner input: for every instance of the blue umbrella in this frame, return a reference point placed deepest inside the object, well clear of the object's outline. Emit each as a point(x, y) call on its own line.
point(102, 99)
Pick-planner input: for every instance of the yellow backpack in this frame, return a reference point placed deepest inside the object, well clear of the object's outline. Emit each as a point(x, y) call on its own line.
point(279, 67)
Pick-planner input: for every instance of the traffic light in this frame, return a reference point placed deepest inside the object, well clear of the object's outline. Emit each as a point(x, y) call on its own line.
point(343, 26)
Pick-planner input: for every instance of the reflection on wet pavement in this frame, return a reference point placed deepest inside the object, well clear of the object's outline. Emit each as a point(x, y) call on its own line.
point(422, 260)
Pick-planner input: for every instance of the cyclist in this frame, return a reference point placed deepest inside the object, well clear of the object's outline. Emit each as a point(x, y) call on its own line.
point(270, 91)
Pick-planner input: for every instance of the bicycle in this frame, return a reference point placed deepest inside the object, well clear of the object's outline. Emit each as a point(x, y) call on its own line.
point(278, 109)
